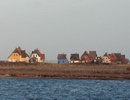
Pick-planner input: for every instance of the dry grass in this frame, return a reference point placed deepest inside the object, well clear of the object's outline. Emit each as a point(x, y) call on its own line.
point(66, 71)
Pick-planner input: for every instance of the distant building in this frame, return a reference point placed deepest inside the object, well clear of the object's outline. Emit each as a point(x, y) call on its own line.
point(117, 58)
point(88, 57)
point(74, 58)
point(93, 55)
point(85, 58)
point(106, 60)
point(18, 55)
point(37, 56)
point(62, 59)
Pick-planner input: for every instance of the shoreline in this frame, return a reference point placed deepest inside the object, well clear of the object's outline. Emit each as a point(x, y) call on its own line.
point(65, 78)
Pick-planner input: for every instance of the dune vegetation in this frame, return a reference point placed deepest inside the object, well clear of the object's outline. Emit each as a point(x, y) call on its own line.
point(66, 71)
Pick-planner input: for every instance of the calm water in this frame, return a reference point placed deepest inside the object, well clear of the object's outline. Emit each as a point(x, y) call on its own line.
point(40, 89)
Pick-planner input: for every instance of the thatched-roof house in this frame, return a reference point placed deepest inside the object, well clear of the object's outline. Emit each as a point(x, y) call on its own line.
point(74, 58)
point(88, 57)
point(37, 56)
point(18, 55)
point(117, 58)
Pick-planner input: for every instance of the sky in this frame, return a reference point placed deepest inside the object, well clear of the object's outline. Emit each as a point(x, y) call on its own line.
point(65, 26)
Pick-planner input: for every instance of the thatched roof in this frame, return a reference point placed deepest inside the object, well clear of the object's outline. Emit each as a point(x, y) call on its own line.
point(117, 57)
point(61, 56)
point(41, 55)
point(91, 55)
point(74, 57)
point(21, 52)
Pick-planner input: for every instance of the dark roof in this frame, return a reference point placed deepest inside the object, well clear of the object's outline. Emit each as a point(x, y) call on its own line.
point(118, 57)
point(74, 57)
point(85, 54)
point(21, 52)
point(24, 54)
point(61, 56)
point(123, 56)
point(106, 54)
point(92, 54)
point(41, 55)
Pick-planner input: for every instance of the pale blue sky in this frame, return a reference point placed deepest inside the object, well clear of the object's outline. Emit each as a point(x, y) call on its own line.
point(65, 26)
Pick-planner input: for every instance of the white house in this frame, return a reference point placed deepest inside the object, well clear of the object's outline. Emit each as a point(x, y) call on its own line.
point(37, 56)
point(106, 60)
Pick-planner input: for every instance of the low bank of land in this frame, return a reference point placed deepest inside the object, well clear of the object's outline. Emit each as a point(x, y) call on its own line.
point(68, 71)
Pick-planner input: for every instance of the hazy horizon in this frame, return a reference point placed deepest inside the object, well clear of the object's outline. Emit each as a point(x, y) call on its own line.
point(65, 26)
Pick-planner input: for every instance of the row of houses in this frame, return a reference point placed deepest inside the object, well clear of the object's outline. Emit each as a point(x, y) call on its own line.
point(92, 57)
point(19, 55)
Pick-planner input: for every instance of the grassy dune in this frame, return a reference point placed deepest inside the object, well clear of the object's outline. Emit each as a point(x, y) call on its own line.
point(65, 71)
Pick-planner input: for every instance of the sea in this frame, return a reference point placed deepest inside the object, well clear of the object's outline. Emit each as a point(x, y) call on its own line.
point(58, 89)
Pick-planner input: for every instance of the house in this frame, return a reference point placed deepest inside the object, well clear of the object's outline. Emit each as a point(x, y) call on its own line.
point(85, 58)
point(112, 57)
point(121, 58)
point(37, 56)
point(74, 58)
point(88, 57)
point(124, 59)
point(18, 55)
point(92, 55)
point(117, 58)
point(62, 59)
point(106, 60)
